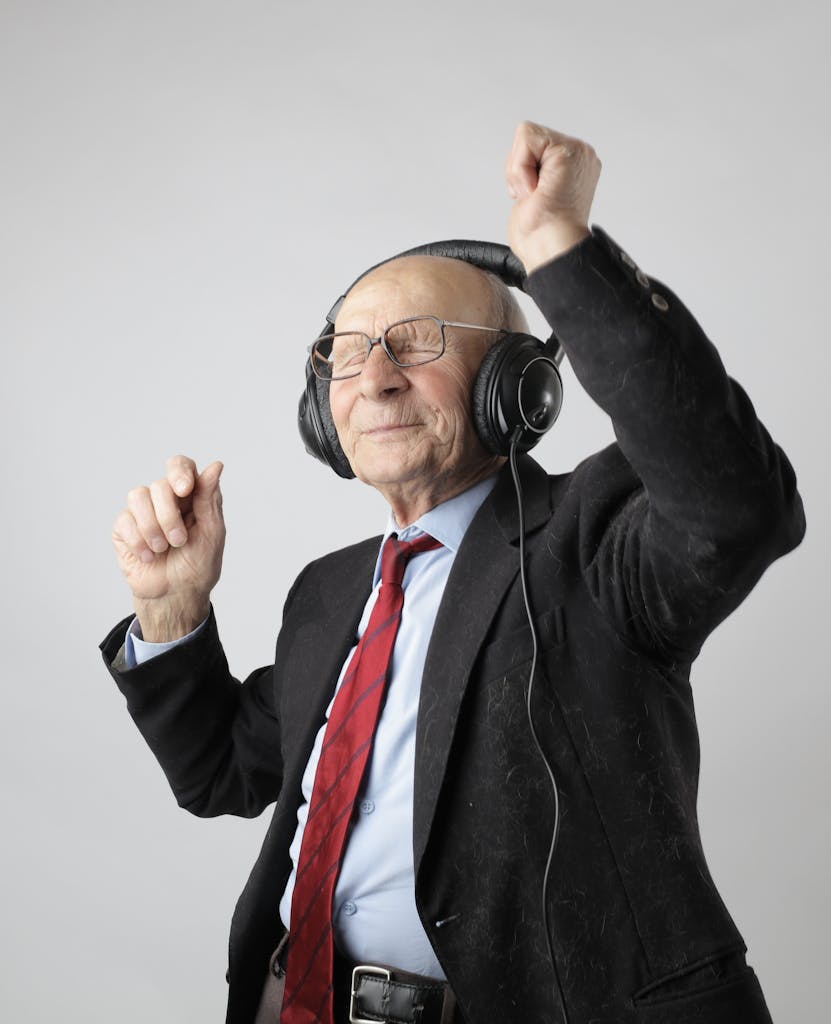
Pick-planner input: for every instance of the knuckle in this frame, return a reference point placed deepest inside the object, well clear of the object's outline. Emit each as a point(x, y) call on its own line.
point(123, 521)
point(166, 511)
point(179, 462)
point(126, 531)
point(136, 495)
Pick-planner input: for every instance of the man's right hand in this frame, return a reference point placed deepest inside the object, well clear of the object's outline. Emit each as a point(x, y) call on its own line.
point(169, 542)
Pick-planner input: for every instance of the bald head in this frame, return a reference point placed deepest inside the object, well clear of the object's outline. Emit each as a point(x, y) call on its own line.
point(494, 301)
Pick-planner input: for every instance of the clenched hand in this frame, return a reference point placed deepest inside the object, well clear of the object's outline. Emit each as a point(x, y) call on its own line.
point(169, 542)
point(552, 178)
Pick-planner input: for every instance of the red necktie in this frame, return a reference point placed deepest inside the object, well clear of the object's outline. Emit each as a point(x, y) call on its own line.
point(347, 742)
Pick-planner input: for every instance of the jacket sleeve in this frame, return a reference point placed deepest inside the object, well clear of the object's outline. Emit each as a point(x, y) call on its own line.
point(718, 500)
point(216, 739)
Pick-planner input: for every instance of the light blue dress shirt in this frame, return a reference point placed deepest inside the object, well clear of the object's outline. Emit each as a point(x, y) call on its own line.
point(375, 916)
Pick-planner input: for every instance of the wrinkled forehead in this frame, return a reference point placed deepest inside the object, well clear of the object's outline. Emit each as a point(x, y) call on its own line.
point(417, 285)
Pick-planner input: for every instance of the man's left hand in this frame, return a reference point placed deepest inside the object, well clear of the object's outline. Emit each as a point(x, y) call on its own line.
point(552, 178)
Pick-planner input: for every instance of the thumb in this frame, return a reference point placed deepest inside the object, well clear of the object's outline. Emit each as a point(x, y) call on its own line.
point(523, 164)
point(207, 496)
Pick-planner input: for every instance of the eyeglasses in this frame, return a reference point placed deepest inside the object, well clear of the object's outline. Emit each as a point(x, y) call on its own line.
point(410, 342)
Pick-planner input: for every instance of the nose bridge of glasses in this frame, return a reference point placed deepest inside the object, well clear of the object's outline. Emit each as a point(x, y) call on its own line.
point(381, 343)
point(384, 363)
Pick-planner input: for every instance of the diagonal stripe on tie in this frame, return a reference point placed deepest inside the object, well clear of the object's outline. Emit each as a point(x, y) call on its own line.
point(341, 766)
point(328, 741)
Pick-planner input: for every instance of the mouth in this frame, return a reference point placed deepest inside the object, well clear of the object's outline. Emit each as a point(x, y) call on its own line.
point(387, 429)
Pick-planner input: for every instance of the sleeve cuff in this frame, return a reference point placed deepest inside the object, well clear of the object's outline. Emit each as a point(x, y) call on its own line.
point(137, 650)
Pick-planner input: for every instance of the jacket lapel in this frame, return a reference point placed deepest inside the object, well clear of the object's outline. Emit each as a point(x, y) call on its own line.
point(485, 566)
point(319, 649)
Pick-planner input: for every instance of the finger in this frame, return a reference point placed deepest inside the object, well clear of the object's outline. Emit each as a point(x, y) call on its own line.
point(207, 496)
point(538, 138)
point(141, 508)
point(521, 165)
point(532, 143)
point(168, 513)
point(522, 170)
point(181, 474)
point(126, 536)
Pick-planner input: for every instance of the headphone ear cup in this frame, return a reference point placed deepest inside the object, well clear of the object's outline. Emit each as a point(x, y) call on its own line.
point(317, 428)
point(517, 388)
point(489, 433)
point(335, 454)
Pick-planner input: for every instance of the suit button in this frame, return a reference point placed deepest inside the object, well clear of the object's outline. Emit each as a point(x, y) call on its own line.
point(659, 302)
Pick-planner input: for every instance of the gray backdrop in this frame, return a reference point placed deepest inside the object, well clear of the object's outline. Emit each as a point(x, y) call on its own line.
point(186, 188)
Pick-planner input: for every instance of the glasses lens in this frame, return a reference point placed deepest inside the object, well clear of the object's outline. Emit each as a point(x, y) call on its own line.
point(415, 341)
point(339, 355)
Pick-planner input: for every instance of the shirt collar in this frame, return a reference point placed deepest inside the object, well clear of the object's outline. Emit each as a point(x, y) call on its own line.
point(447, 522)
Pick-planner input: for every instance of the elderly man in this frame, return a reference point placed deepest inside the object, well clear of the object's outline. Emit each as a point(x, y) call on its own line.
point(425, 766)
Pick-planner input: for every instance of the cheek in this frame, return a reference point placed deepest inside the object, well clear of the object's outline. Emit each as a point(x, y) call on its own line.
point(339, 407)
point(452, 401)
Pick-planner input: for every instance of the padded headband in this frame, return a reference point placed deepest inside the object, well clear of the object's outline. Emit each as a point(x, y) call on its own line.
point(490, 256)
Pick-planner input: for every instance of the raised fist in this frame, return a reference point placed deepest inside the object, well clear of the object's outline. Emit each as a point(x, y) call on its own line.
point(551, 178)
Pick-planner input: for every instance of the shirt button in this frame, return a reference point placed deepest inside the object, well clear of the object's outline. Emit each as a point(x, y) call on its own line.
point(367, 806)
point(349, 908)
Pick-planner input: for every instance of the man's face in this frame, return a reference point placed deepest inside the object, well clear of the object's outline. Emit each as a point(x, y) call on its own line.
point(408, 432)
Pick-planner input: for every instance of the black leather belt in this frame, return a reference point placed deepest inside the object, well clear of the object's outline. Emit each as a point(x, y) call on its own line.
point(397, 997)
point(368, 994)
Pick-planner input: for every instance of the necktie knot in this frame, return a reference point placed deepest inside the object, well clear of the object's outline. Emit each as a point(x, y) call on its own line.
point(397, 553)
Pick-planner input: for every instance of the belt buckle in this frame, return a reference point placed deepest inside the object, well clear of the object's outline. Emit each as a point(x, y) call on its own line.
point(382, 972)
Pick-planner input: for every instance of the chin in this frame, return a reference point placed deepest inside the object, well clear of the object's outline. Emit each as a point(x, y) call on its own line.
point(389, 461)
point(385, 475)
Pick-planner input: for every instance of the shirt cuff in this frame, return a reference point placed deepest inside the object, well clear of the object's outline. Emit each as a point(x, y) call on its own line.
point(137, 650)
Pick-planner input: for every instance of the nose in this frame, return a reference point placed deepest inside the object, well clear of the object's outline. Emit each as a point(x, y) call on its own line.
point(380, 376)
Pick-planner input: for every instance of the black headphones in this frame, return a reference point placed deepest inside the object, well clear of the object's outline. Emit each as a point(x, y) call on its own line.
point(517, 394)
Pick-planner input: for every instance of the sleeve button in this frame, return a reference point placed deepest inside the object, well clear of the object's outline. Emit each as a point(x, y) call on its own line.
point(659, 302)
point(642, 279)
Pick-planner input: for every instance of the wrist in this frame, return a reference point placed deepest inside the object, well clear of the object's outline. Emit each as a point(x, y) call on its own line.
point(163, 620)
point(548, 242)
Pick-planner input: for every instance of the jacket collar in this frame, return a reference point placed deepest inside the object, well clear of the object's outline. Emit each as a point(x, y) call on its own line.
point(535, 494)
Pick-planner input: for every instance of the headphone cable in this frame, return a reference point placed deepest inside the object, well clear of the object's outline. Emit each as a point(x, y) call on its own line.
point(531, 680)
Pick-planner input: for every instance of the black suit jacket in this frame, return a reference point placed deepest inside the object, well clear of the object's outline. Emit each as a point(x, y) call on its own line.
point(632, 559)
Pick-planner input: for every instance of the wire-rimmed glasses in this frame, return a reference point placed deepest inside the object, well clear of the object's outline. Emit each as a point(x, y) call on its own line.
point(409, 342)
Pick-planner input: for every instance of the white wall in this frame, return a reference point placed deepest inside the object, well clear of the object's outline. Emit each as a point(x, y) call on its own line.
point(186, 188)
